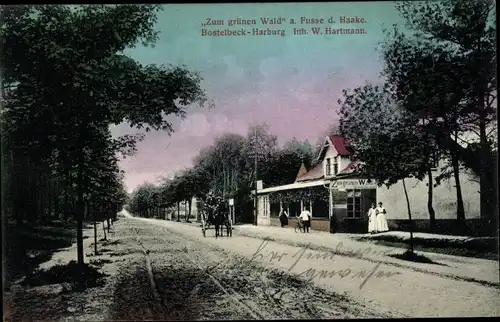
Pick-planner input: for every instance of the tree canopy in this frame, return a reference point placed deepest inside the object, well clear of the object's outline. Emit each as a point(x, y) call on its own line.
point(66, 80)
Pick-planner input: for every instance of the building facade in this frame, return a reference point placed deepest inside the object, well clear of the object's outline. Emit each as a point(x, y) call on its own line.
point(348, 197)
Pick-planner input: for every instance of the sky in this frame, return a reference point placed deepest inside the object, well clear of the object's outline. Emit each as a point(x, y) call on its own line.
point(291, 82)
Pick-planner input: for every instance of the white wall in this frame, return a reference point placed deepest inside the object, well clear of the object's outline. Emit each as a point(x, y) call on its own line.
point(332, 153)
point(263, 210)
point(344, 162)
point(444, 201)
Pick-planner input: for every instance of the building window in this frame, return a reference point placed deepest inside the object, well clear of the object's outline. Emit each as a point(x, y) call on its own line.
point(332, 168)
point(435, 159)
point(354, 204)
point(263, 204)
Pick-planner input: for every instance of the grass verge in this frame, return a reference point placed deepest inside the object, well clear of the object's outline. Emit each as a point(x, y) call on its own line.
point(27, 246)
point(485, 248)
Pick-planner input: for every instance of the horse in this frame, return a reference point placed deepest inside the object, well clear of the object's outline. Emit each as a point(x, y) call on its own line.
point(208, 208)
point(221, 219)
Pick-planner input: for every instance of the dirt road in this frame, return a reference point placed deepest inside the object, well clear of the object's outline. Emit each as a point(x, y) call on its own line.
point(194, 280)
point(163, 270)
point(385, 289)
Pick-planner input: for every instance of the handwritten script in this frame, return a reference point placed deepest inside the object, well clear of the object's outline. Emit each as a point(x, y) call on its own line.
point(266, 256)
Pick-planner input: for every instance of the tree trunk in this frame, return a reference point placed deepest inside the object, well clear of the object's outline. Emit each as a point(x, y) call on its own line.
point(487, 189)
point(104, 230)
point(49, 201)
point(178, 211)
point(460, 201)
point(80, 212)
point(66, 214)
point(488, 185)
point(79, 231)
point(15, 190)
point(430, 207)
point(33, 205)
point(107, 220)
point(56, 202)
point(74, 205)
point(41, 202)
point(409, 216)
point(95, 232)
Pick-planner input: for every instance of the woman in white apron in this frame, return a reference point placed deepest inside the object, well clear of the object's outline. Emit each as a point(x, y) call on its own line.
point(372, 219)
point(381, 218)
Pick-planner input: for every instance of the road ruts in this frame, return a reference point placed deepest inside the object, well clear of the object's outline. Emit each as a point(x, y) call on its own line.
point(230, 292)
point(196, 280)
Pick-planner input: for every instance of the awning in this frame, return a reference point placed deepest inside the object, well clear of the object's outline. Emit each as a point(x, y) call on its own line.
point(292, 186)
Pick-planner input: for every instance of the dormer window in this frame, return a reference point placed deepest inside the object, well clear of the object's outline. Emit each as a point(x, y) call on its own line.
point(332, 166)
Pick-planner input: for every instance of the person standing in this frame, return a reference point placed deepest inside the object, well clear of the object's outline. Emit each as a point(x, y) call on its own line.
point(372, 219)
point(305, 215)
point(381, 218)
point(283, 218)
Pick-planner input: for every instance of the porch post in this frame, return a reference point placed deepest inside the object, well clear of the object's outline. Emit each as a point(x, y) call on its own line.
point(301, 205)
point(311, 208)
point(330, 202)
point(281, 206)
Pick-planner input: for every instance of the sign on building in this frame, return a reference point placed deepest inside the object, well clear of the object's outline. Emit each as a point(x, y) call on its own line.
point(354, 184)
point(259, 185)
point(231, 202)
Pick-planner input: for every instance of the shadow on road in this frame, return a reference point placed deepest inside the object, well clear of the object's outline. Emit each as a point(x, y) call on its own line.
point(134, 298)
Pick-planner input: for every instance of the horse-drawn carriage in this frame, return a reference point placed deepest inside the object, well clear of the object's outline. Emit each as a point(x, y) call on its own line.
point(215, 212)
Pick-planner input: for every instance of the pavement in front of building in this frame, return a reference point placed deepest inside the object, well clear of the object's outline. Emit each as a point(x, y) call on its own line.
point(406, 235)
point(465, 268)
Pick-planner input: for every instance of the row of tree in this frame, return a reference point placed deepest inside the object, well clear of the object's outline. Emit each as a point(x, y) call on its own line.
point(227, 168)
point(439, 96)
point(65, 81)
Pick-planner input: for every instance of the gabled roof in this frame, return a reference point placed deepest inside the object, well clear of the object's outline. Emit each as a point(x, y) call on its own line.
point(314, 174)
point(341, 145)
point(338, 143)
point(318, 172)
point(302, 171)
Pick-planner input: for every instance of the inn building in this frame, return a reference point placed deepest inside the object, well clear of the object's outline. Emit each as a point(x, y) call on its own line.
point(347, 196)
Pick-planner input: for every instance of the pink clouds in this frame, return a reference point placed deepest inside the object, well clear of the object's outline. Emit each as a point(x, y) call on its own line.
point(295, 100)
point(292, 108)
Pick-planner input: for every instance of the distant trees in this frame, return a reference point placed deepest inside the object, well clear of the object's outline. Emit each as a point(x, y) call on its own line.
point(227, 169)
point(284, 164)
point(65, 81)
point(144, 200)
